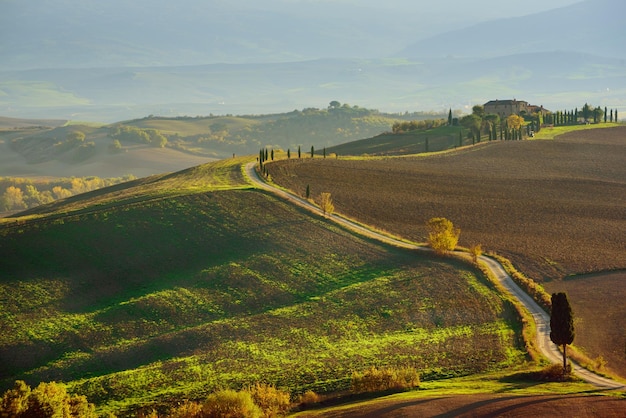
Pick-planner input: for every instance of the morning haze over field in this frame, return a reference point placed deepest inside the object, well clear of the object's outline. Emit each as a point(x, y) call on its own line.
point(313, 208)
point(115, 60)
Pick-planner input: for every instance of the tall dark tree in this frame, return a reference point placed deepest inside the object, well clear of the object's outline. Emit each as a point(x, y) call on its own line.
point(561, 324)
point(299, 152)
point(450, 117)
point(312, 151)
point(587, 110)
point(605, 114)
point(288, 153)
point(272, 154)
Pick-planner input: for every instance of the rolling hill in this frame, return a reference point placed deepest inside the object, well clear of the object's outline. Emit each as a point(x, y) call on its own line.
point(175, 285)
point(153, 145)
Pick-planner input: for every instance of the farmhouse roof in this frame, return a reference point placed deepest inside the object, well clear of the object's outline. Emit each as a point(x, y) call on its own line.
point(504, 102)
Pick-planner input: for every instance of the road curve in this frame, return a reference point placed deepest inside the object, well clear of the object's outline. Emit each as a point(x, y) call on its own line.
point(542, 319)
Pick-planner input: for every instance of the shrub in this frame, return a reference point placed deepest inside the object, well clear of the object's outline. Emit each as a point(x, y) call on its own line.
point(381, 380)
point(551, 373)
point(46, 400)
point(230, 404)
point(273, 402)
point(309, 398)
point(187, 410)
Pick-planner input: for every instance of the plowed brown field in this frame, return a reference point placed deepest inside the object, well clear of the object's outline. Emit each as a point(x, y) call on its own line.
point(555, 208)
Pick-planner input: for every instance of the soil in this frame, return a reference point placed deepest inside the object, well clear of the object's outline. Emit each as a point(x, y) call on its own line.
point(487, 406)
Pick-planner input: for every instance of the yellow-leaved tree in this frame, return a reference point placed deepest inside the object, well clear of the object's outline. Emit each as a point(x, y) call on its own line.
point(326, 204)
point(442, 235)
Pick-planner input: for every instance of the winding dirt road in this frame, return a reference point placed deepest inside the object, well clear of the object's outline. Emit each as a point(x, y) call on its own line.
point(542, 319)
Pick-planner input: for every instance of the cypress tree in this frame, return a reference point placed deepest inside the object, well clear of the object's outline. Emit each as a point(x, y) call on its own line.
point(561, 324)
point(611, 115)
point(288, 153)
point(450, 117)
point(272, 154)
point(324, 152)
point(299, 152)
point(312, 151)
point(605, 114)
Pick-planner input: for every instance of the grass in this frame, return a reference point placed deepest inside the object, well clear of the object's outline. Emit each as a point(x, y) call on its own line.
point(552, 133)
point(176, 285)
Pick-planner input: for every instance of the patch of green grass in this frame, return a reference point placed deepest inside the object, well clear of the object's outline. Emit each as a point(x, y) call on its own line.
point(551, 133)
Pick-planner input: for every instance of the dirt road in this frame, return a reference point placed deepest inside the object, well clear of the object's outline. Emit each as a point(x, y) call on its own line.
point(542, 319)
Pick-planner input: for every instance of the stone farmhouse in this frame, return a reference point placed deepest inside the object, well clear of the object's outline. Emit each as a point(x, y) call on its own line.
point(505, 108)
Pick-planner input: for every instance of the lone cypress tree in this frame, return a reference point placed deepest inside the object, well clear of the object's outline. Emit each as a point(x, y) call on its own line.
point(561, 324)
point(450, 117)
point(299, 152)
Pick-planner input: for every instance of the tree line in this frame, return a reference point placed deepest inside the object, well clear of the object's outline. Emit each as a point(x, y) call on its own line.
point(516, 127)
point(123, 133)
point(587, 114)
point(20, 194)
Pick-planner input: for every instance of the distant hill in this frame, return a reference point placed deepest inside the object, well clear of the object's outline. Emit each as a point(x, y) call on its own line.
point(119, 60)
point(153, 145)
point(589, 27)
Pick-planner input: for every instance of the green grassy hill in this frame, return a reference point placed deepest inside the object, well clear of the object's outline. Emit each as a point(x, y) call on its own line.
point(172, 286)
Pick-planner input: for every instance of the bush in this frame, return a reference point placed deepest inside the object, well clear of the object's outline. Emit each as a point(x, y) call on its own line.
point(46, 400)
point(309, 398)
point(230, 404)
point(273, 402)
point(552, 373)
point(187, 410)
point(381, 380)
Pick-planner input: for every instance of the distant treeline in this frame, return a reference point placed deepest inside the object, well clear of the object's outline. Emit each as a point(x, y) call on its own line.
point(122, 133)
point(20, 194)
point(416, 125)
point(333, 125)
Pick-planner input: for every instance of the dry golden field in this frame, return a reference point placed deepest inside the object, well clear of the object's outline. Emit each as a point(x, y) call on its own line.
point(555, 208)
